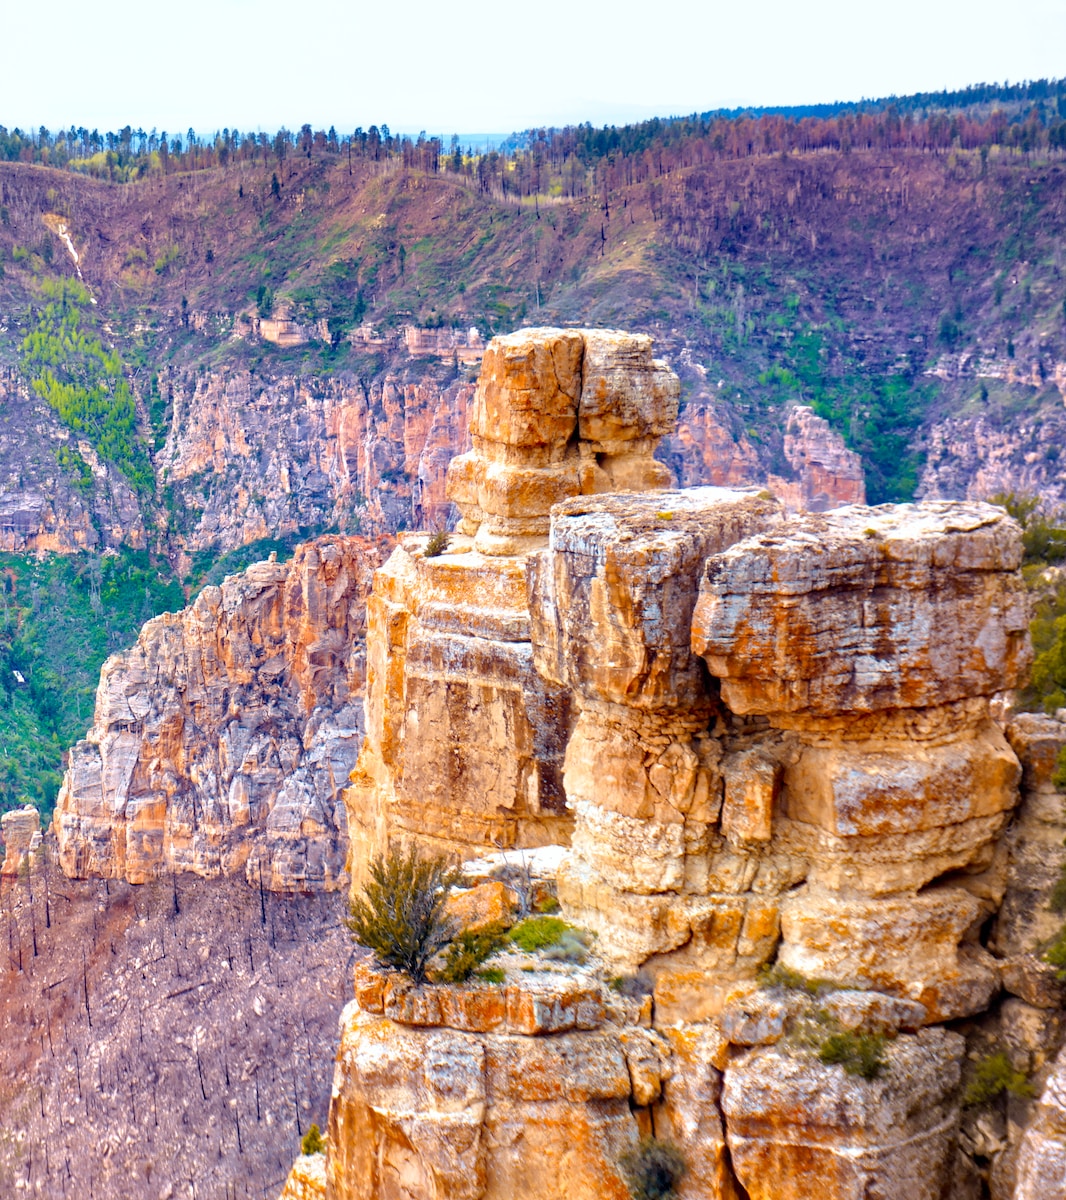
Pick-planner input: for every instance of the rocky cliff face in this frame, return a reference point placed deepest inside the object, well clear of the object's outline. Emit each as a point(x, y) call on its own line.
point(221, 740)
point(981, 454)
point(815, 470)
point(41, 507)
point(779, 757)
point(248, 458)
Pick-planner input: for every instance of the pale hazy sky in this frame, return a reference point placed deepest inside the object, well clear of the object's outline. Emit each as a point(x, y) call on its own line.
point(493, 65)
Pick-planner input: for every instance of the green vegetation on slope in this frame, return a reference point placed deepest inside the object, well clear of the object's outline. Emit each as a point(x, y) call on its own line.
point(70, 368)
point(1044, 546)
point(60, 617)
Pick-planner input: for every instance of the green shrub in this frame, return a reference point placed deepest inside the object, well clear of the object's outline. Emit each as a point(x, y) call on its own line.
point(859, 1054)
point(780, 976)
point(536, 933)
point(312, 1142)
point(993, 1076)
point(437, 544)
point(652, 1169)
point(492, 975)
point(468, 950)
point(400, 915)
point(1056, 952)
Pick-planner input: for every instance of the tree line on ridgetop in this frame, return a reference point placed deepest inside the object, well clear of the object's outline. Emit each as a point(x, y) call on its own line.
point(1027, 118)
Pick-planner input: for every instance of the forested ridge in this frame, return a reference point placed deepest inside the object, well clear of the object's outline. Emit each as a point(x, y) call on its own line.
point(579, 159)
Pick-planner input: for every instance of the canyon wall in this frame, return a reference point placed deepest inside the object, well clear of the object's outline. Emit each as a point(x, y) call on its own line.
point(980, 454)
point(248, 457)
point(221, 740)
point(42, 508)
point(785, 807)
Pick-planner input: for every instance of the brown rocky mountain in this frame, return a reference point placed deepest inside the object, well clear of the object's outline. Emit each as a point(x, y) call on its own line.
point(337, 315)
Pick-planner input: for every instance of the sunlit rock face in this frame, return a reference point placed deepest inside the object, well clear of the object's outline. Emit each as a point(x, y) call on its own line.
point(465, 741)
point(22, 836)
point(222, 739)
point(766, 742)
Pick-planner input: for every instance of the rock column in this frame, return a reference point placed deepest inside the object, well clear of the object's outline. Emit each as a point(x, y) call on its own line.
point(465, 741)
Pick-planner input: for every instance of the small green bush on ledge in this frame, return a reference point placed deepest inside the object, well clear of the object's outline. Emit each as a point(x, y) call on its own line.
point(400, 915)
point(437, 544)
point(468, 950)
point(859, 1054)
point(993, 1076)
point(535, 933)
point(312, 1142)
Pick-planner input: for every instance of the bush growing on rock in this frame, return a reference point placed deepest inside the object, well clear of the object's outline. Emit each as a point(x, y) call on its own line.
point(652, 1169)
point(468, 950)
point(552, 936)
point(312, 1142)
point(400, 915)
point(993, 1076)
point(859, 1054)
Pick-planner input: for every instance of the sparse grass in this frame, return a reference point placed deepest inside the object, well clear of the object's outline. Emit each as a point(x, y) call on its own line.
point(780, 976)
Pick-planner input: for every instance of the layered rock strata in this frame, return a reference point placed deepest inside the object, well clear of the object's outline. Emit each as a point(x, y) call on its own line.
point(464, 739)
point(778, 752)
point(248, 457)
point(221, 741)
point(613, 598)
point(559, 413)
point(872, 640)
point(535, 1087)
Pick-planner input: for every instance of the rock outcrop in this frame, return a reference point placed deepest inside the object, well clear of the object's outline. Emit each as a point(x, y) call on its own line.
point(222, 739)
point(464, 739)
point(22, 836)
point(823, 472)
point(784, 798)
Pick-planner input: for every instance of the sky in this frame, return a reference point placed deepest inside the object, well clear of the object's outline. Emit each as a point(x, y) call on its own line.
point(491, 65)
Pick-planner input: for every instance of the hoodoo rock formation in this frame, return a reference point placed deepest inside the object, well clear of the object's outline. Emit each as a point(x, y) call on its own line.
point(767, 744)
point(464, 739)
point(222, 739)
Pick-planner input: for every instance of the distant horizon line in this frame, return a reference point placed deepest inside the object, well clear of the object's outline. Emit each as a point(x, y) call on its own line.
point(484, 139)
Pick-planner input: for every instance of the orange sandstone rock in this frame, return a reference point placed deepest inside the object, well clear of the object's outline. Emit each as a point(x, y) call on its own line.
point(221, 740)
